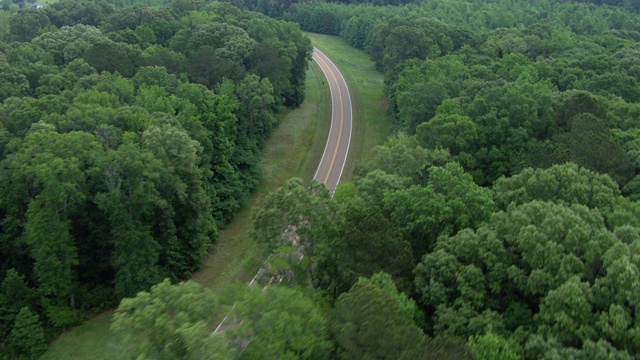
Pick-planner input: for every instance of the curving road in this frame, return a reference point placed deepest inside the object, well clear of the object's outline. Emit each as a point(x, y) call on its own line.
point(335, 152)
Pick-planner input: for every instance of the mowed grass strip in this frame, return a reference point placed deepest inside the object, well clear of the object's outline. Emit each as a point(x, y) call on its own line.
point(294, 149)
point(371, 125)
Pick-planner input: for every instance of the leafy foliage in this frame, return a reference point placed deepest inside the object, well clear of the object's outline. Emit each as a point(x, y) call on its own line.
point(124, 148)
point(131, 134)
point(170, 321)
point(369, 323)
point(500, 92)
point(515, 141)
point(27, 336)
point(281, 323)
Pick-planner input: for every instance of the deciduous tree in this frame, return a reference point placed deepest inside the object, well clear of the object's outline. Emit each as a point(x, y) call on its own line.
point(170, 321)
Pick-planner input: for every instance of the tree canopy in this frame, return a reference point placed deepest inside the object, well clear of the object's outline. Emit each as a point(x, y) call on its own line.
point(498, 221)
point(125, 148)
point(511, 173)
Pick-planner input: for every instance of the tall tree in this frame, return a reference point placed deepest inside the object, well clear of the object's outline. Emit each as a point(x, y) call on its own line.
point(540, 267)
point(494, 347)
point(450, 202)
point(59, 178)
point(188, 228)
point(361, 243)
point(27, 336)
point(26, 24)
point(369, 323)
point(304, 208)
point(282, 323)
point(170, 321)
point(14, 295)
point(567, 183)
point(130, 177)
point(12, 83)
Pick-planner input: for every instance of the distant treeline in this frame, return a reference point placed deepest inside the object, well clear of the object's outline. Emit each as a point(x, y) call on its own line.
point(519, 83)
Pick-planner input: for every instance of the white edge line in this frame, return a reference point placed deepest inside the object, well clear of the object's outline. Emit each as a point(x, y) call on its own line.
point(332, 105)
point(325, 151)
point(236, 303)
point(225, 318)
point(346, 155)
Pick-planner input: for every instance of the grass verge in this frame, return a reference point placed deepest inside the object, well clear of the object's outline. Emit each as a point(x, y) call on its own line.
point(295, 149)
point(371, 125)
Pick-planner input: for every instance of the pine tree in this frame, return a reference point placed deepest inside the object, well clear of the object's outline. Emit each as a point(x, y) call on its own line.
point(27, 337)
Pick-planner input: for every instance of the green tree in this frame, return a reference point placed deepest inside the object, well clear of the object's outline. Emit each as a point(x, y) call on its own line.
point(71, 12)
point(304, 208)
point(504, 41)
point(369, 323)
point(359, 243)
point(418, 105)
point(372, 187)
point(114, 56)
point(403, 156)
point(590, 144)
point(184, 6)
point(156, 75)
point(449, 202)
point(70, 42)
point(565, 313)
point(14, 295)
point(59, 178)
point(257, 117)
point(344, 192)
point(188, 228)
point(405, 305)
point(404, 38)
point(155, 99)
point(12, 83)
point(282, 323)
point(130, 17)
point(169, 322)
point(173, 62)
point(454, 132)
point(27, 336)
point(27, 23)
point(130, 177)
point(567, 183)
point(491, 346)
point(552, 267)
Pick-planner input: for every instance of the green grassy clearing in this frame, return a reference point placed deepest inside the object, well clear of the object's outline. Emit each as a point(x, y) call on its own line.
point(294, 150)
point(91, 340)
point(371, 125)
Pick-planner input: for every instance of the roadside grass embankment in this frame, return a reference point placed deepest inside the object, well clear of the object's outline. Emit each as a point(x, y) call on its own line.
point(371, 125)
point(294, 150)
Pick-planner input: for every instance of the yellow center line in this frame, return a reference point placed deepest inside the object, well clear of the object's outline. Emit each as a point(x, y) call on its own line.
point(335, 153)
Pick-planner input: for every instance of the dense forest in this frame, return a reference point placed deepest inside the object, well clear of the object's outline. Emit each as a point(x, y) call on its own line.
point(129, 136)
point(503, 212)
point(500, 220)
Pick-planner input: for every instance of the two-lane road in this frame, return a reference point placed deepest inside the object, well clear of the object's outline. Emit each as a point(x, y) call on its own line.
point(335, 152)
point(337, 148)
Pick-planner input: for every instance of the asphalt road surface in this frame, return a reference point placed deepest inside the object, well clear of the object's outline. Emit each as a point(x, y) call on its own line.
point(335, 152)
point(337, 148)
